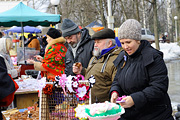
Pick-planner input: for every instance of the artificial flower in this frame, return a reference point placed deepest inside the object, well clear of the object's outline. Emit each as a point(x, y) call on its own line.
point(48, 89)
point(75, 83)
point(62, 82)
point(69, 84)
point(80, 111)
point(82, 92)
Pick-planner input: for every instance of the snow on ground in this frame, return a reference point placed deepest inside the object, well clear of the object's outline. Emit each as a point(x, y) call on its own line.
point(171, 50)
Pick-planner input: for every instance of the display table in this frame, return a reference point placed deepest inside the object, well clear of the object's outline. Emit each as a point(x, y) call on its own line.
point(27, 93)
point(26, 99)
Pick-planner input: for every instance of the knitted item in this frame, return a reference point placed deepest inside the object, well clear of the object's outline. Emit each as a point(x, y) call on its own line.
point(69, 28)
point(130, 29)
point(54, 59)
point(53, 33)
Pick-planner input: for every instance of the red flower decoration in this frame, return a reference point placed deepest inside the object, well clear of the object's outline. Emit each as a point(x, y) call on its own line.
point(48, 89)
point(51, 78)
point(75, 84)
point(82, 92)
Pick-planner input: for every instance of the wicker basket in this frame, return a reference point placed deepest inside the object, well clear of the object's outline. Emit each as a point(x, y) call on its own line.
point(59, 106)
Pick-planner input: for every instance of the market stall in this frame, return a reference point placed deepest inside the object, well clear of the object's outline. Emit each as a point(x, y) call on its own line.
point(25, 99)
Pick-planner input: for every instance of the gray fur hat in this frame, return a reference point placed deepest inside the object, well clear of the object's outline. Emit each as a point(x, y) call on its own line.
point(130, 29)
point(69, 28)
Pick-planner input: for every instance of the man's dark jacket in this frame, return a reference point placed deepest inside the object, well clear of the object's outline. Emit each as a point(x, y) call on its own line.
point(144, 78)
point(83, 53)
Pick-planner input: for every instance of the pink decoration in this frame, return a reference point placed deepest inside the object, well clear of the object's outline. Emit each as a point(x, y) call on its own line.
point(62, 82)
point(119, 99)
point(80, 77)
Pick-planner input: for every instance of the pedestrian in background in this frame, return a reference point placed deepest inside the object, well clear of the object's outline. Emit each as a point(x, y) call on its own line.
point(21, 40)
point(141, 77)
point(5, 46)
point(33, 42)
point(43, 46)
point(1, 35)
point(80, 45)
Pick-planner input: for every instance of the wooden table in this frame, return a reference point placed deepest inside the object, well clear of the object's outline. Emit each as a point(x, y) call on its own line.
point(26, 99)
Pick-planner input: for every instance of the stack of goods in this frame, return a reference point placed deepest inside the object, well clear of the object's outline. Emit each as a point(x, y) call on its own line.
point(31, 113)
point(7, 113)
point(104, 111)
point(62, 111)
point(26, 115)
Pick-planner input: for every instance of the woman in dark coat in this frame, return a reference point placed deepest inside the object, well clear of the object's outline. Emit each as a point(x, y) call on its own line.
point(7, 86)
point(141, 77)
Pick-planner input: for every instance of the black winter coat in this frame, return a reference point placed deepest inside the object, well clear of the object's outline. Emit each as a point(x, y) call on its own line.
point(83, 53)
point(144, 78)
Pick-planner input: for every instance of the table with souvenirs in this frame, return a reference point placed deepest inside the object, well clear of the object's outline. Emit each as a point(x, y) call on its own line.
point(60, 98)
point(25, 104)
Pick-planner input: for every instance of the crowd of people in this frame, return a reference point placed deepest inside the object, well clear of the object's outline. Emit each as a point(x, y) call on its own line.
point(136, 70)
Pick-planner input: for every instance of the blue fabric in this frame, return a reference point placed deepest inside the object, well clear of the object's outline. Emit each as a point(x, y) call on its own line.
point(22, 110)
point(118, 42)
point(27, 29)
point(104, 51)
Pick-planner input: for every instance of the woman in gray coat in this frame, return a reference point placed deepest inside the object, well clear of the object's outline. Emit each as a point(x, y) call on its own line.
point(141, 77)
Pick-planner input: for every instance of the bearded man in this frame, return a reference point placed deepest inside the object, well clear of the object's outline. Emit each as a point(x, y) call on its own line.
point(80, 45)
point(101, 64)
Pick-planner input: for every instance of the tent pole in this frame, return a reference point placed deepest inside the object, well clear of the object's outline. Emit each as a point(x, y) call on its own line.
point(22, 33)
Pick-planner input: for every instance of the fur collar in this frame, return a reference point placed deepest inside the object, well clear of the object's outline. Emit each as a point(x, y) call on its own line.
point(57, 40)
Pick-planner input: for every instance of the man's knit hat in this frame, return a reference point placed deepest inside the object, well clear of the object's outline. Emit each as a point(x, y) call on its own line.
point(104, 34)
point(53, 33)
point(69, 28)
point(130, 29)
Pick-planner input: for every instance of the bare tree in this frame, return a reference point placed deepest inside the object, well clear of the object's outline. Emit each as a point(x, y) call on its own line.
point(178, 13)
point(83, 12)
point(137, 10)
point(169, 20)
point(144, 15)
point(155, 24)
